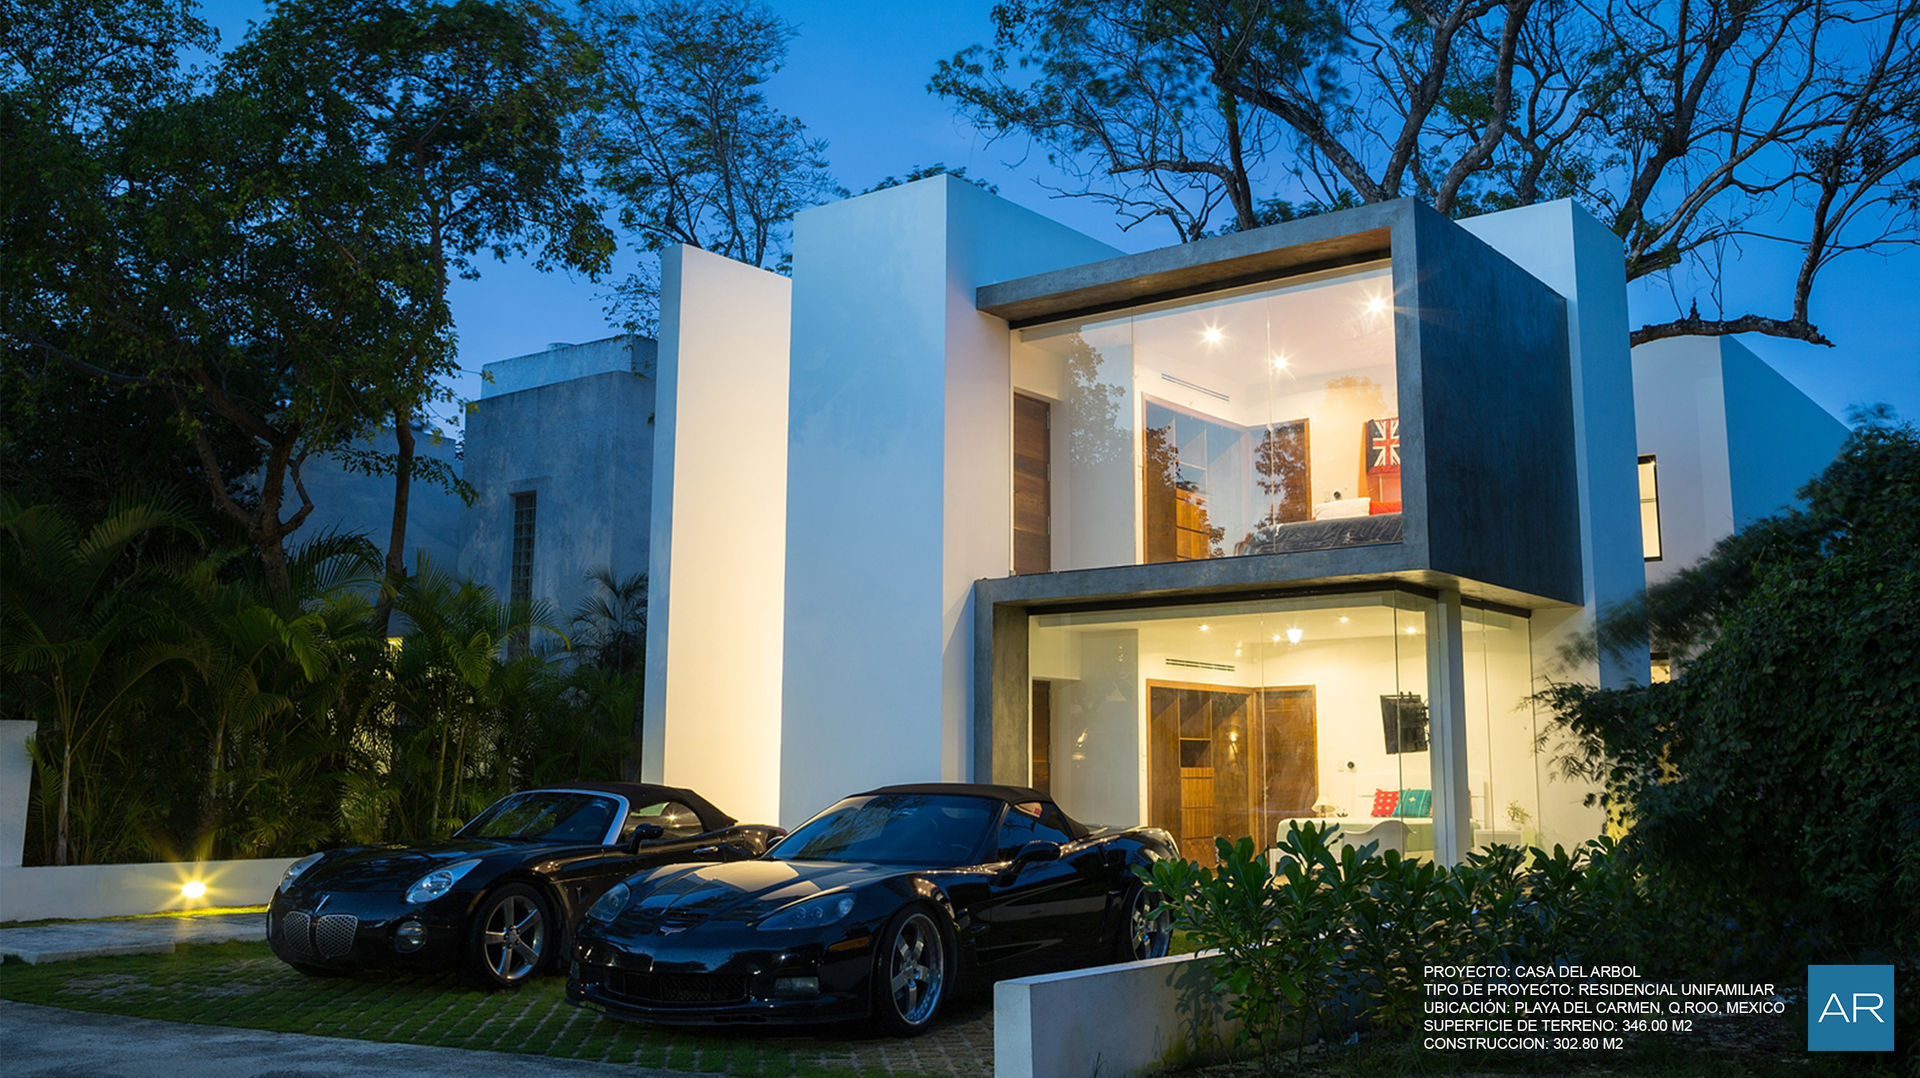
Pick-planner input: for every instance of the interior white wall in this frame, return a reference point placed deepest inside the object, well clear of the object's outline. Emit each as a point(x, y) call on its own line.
point(899, 477)
point(1680, 414)
point(714, 637)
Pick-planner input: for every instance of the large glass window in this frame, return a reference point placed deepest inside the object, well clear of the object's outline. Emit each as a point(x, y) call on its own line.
point(1260, 420)
point(1235, 719)
point(1503, 782)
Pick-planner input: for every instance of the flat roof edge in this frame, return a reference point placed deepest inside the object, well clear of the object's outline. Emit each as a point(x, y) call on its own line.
point(1325, 241)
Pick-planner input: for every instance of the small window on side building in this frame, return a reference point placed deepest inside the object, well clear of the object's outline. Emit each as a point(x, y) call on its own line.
point(1649, 509)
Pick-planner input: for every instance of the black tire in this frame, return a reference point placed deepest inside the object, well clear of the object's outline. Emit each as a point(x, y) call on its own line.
point(1145, 928)
point(512, 938)
point(912, 971)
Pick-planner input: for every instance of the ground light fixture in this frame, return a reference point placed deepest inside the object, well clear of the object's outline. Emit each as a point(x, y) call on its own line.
point(193, 889)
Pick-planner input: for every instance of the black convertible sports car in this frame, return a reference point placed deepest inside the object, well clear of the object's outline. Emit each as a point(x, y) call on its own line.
point(878, 907)
point(499, 896)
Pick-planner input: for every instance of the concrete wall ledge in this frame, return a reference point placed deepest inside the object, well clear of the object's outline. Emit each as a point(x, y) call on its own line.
point(1135, 1018)
point(44, 892)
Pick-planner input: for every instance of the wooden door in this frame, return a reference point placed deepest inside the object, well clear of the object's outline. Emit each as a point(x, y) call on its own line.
point(1227, 763)
point(1032, 486)
point(1290, 758)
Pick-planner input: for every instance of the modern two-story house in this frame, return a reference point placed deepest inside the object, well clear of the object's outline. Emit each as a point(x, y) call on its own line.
point(1283, 524)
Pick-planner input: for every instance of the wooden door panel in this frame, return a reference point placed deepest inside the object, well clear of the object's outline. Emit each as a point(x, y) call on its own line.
point(1227, 763)
point(1032, 486)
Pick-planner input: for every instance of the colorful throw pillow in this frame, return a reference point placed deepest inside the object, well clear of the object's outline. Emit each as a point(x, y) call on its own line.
point(1414, 803)
point(1384, 802)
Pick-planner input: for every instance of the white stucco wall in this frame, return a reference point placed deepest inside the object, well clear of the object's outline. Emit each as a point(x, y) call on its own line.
point(716, 577)
point(1733, 441)
point(899, 482)
point(81, 891)
point(16, 784)
point(1681, 417)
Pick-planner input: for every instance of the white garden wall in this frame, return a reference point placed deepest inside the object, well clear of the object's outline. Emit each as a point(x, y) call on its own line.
point(1137, 1018)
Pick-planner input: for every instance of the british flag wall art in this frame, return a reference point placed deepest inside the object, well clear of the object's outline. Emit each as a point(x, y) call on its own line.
point(1383, 446)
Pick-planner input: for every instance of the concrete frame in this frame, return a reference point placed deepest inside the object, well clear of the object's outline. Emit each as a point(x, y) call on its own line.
point(1500, 387)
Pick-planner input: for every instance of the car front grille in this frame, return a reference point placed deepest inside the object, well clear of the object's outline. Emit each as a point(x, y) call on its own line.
point(328, 936)
point(296, 933)
point(333, 934)
point(676, 989)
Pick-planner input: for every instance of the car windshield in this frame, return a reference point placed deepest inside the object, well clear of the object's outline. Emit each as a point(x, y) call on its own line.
point(544, 816)
point(893, 829)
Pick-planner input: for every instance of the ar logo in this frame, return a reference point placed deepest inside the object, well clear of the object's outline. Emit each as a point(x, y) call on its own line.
point(1850, 1008)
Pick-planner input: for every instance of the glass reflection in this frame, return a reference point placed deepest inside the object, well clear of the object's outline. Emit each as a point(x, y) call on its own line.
point(1256, 421)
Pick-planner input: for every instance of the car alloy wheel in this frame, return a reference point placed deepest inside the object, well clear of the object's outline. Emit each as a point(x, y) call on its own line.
point(1148, 927)
point(911, 971)
point(510, 937)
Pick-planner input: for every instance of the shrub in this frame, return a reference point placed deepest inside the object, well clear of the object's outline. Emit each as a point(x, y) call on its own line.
point(1337, 939)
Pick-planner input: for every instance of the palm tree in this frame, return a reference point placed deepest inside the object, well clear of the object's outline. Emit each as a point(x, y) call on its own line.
point(454, 692)
point(84, 623)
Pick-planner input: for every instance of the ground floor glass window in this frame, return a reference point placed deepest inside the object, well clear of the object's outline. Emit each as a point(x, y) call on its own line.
point(1237, 719)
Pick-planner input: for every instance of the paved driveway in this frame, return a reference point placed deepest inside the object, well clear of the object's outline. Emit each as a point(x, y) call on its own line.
point(47, 1042)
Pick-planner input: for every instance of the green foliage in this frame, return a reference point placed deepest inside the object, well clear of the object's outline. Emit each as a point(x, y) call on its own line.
point(1775, 775)
point(265, 254)
point(685, 140)
point(1338, 938)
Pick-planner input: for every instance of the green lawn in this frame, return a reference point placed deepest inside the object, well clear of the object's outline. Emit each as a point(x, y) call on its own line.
point(243, 985)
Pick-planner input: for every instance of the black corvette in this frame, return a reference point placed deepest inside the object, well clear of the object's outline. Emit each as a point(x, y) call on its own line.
point(498, 898)
point(879, 907)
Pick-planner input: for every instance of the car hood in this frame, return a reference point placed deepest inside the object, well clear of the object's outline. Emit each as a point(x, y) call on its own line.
point(680, 895)
point(376, 868)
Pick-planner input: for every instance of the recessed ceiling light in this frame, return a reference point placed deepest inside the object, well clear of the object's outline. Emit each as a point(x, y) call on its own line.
point(1212, 335)
point(1376, 305)
point(1279, 363)
point(1204, 627)
point(1411, 630)
point(1343, 619)
point(1276, 638)
point(1294, 635)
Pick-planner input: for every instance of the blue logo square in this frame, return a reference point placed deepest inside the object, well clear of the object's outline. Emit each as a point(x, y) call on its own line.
point(1850, 1008)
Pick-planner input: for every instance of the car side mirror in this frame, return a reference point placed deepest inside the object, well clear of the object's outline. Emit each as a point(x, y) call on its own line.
point(1037, 851)
point(647, 832)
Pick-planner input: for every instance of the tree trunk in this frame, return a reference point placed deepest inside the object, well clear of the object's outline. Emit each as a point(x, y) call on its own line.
point(66, 784)
point(402, 495)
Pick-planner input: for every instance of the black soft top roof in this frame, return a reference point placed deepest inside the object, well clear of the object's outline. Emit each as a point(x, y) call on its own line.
point(647, 793)
point(1012, 795)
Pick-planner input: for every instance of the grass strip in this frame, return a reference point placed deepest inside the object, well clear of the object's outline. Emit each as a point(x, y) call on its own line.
point(243, 985)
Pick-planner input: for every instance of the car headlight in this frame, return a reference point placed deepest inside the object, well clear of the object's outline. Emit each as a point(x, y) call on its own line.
point(294, 870)
point(811, 913)
point(610, 905)
point(438, 882)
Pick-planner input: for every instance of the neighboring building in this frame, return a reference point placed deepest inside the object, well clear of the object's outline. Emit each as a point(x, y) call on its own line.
point(352, 502)
point(1211, 537)
point(559, 451)
point(1724, 441)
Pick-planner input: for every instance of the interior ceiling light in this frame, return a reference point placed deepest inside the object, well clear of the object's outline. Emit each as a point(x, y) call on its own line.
point(1279, 363)
point(1204, 626)
point(1376, 305)
point(1212, 335)
point(1276, 638)
point(1411, 630)
point(1294, 635)
point(1343, 619)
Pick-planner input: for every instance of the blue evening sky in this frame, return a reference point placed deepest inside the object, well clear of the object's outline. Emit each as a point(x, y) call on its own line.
point(857, 75)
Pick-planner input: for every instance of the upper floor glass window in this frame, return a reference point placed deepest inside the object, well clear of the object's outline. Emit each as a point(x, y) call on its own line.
point(1260, 420)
